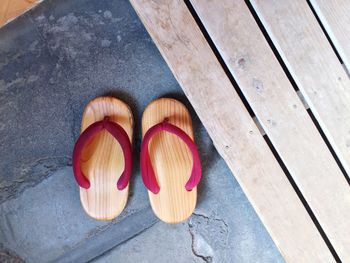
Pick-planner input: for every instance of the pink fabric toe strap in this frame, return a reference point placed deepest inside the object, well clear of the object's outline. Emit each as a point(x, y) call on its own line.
point(119, 134)
point(147, 171)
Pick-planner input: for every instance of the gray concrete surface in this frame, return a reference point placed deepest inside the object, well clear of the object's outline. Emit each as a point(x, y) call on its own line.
point(53, 60)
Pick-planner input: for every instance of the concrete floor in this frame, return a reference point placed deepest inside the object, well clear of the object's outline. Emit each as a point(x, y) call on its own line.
point(53, 60)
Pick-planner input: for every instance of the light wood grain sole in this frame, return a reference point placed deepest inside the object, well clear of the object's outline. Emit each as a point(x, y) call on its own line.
point(102, 160)
point(171, 161)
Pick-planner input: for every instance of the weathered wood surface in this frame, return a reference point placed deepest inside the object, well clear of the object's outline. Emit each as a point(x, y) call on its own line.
point(232, 129)
point(280, 111)
point(313, 65)
point(334, 15)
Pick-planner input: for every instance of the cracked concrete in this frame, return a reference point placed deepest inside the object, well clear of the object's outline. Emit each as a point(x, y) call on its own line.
point(209, 235)
point(40, 225)
point(9, 257)
point(53, 61)
point(224, 228)
point(42, 168)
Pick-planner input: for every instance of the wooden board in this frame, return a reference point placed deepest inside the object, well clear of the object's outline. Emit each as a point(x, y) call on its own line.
point(232, 129)
point(171, 160)
point(102, 160)
point(335, 18)
point(10, 9)
point(314, 66)
point(280, 111)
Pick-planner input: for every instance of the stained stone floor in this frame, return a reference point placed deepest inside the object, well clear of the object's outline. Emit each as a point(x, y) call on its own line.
point(53, 60)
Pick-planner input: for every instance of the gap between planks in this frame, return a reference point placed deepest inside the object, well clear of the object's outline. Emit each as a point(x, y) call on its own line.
point(235, 135)
point(253, 65)
point(334, 15)
point(314, 67)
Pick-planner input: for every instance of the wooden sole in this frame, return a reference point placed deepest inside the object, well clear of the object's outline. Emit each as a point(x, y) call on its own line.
point(102, 160)
point(171, 161)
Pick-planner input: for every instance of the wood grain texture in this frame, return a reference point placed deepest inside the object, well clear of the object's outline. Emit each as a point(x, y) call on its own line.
point(280, 111)
point(171, 161)
point(314, 66)
point(10, 9)
point(102, 160)
point(233, 131)
point(334, 15)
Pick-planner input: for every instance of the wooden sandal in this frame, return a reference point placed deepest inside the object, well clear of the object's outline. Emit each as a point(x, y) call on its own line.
point(170, 164)
point(102, 157)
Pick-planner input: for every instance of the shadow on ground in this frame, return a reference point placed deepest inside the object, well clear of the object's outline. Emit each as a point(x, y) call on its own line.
point(53, 61)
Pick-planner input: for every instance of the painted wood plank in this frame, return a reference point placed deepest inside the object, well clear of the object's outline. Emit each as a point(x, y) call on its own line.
point(233, 131)
point(334, 15)
point(314, 66)
point(10, 9)
point(281, 113)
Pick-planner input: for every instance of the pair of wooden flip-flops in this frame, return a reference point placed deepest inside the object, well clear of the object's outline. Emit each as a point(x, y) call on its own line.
point(170, 165)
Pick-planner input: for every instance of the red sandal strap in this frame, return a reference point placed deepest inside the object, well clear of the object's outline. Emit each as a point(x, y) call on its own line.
point(147, 171)
point(119, 134)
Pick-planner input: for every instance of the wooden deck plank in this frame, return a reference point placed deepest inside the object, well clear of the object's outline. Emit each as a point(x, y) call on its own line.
point(10, 9)
point(334, 15)
point(281, 113)
point(314, 66)
point(233, 131)
point(4, 6)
